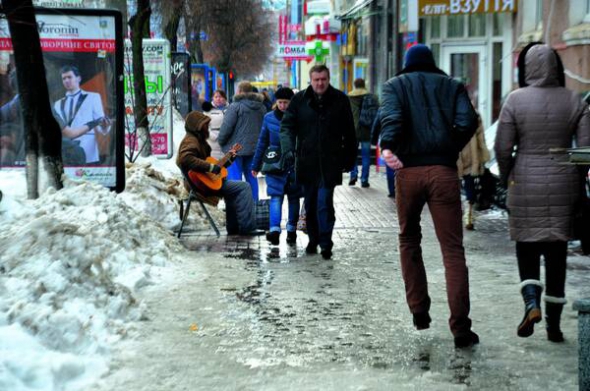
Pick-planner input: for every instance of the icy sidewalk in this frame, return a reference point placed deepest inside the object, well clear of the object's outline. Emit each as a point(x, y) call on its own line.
point(243, 315)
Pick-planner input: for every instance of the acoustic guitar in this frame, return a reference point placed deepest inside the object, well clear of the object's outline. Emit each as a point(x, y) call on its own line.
point(207, 182)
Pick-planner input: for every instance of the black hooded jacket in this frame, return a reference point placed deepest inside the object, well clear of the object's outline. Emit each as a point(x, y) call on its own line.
point(426, 117)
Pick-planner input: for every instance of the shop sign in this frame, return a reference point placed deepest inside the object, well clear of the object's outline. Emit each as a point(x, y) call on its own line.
point(458, 7)
point(156, 62)
point(292, 51)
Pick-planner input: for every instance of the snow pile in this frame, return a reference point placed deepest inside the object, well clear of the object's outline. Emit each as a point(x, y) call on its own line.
point(150, 191)
point(70, 263)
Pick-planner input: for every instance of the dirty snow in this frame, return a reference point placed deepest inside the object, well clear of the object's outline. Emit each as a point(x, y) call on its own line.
point(71, 264)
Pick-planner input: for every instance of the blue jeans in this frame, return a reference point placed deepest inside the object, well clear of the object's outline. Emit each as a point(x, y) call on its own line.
point(390, 173)
point(366, 161)
point(319, 209)
point(242, 166)
point(469, 187)
point(276, 211)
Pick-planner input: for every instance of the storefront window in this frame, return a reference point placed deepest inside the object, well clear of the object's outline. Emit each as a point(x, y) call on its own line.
point(455, 26)
point(435, 48)
point(496, 80)
point(477, 25)
point(435, 27)
point(539, 15)
point(498, 22)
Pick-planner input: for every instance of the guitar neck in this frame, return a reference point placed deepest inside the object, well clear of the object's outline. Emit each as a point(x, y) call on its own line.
point(221, 162)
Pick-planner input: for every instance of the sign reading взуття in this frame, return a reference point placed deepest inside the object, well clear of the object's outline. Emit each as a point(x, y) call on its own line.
point(458, 7)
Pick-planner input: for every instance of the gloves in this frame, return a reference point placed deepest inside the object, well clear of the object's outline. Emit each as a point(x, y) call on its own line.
point(215, 169)
point(288, 161)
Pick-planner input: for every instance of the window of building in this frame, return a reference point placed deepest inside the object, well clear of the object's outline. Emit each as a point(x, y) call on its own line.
point(477, 25)
point(498, 23)
point(435, 27)
point(539, 15)
point(455, 26)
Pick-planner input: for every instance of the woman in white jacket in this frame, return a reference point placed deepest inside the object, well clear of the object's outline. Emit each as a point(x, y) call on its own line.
point(216, 113)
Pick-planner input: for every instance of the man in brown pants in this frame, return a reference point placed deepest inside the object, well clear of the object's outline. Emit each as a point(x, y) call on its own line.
point(427, 118)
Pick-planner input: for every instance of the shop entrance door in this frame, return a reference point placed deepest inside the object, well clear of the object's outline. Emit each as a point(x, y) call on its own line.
point(468, 64)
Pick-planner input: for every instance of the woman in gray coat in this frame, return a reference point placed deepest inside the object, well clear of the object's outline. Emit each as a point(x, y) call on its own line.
point(542, 191)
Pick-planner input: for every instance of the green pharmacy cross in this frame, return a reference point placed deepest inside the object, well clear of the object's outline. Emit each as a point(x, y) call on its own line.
point(319, 52)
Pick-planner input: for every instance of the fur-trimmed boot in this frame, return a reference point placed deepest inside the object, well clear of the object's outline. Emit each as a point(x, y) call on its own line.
point(531, 294)
point(553, 309)
point(469, 218)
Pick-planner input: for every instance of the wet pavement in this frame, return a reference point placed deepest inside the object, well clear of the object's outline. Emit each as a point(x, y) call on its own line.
point(247, 315)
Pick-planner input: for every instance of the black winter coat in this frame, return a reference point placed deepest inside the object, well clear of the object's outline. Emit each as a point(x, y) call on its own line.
point(322, 136)
point(426, 119)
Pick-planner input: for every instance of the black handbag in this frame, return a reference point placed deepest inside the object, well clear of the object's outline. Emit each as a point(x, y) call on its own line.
point(271, 161)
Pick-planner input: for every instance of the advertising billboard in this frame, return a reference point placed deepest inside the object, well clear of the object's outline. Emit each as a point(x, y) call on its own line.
point(181, 82)
point(156, 61)
point(84, 75)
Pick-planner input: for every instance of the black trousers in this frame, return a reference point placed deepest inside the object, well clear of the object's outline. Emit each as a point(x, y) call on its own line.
point(529, 264)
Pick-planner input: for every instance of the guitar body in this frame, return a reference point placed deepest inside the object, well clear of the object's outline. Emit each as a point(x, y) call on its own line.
point(207, 182)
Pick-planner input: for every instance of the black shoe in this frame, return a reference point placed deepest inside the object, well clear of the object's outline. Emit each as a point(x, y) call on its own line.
point(391, 195)
point(311, 248)
point(352, 182)
point(291, 237)
point(254, 232)
point(531, 294)
point(273, 237)
point(365, 184)
point(326, 253)
point(467, 340)
point(422, 320)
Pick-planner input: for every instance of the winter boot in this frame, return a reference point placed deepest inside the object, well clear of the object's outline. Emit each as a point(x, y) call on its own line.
point(531, 294)
point(273, 237)
point(469, 220)
point(553, 308)
point(291, 237)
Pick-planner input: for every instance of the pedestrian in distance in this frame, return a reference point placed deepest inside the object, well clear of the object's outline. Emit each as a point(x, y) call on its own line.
point(470, 166)
point(215, 111)
point(427, 118)
point(241, 124)
point(364, 107)
point(317, 133)
point(280, 183)
point(389, 172)
point(541, 116)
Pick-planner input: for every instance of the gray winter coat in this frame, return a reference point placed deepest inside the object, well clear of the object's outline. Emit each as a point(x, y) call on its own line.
point(242, 123)
point(542, 191)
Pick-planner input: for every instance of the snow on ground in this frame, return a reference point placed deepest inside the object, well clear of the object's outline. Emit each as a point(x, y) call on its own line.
point(71, 263)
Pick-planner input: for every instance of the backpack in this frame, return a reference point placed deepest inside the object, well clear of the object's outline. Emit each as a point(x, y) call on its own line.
point(368, 112)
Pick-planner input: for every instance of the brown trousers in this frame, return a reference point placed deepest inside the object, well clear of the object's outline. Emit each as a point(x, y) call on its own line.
point(439, 187)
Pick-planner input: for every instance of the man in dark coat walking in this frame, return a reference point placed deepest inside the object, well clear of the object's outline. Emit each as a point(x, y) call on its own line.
point(317, 132)
point(427, 119)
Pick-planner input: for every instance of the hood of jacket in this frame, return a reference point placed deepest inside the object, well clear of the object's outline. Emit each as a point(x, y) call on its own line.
point(542, 67)
point(251, 100)
point(358, 92)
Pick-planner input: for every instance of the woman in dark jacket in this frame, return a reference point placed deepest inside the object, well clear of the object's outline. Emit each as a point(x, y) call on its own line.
point(278, 184)
point(542, 191)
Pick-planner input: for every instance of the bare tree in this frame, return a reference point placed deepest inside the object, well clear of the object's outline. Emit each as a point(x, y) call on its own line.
point(239, 33)
point(42, 132)
point(140, 28)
